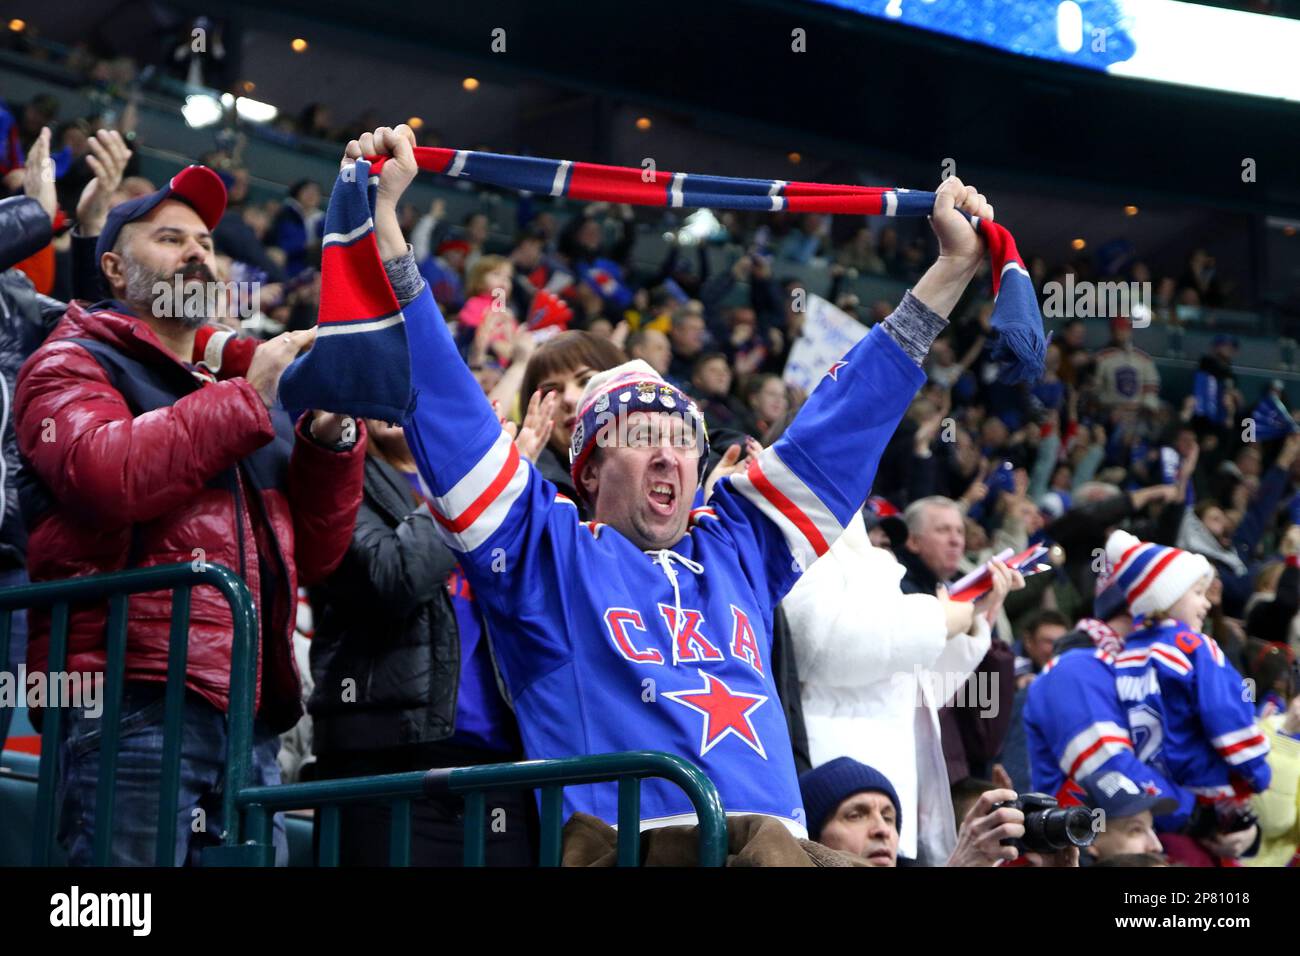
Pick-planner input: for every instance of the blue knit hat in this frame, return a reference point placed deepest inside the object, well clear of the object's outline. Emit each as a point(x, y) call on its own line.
point(824, 788)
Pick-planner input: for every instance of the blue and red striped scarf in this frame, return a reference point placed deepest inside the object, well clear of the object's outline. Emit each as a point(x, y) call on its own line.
point(360, 325)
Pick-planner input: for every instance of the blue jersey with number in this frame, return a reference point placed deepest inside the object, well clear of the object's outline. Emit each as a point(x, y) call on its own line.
point(1190, 712)
point(1077, 730)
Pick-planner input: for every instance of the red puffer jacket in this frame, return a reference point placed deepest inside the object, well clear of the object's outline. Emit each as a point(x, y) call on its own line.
point(155, 469)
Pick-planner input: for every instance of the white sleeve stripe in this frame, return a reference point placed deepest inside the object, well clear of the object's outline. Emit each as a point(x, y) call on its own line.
point(1234, 737)
point(486, 524)
point(1093, 762)
point(1215, 650)
point(789, 484)
point(795, 540)
point(479, 478)
point(1247, 753)
point(1092, 736)
point(1213, 792)
point(1171, 657)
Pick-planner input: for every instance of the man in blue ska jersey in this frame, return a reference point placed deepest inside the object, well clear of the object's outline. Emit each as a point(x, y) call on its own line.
point(649, 627)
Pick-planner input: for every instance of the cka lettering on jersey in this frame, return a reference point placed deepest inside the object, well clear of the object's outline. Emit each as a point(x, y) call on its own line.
point(685, 640)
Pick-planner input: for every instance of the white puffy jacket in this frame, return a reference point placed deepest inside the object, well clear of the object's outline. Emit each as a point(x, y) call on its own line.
point(873, 667)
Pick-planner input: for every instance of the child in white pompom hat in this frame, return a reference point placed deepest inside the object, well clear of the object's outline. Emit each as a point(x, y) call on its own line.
point(1190, 713)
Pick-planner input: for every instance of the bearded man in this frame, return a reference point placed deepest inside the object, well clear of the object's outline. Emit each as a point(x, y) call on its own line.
point(134, 455)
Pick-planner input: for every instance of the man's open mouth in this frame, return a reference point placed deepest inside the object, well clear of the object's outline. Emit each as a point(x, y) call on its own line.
point(663, 497)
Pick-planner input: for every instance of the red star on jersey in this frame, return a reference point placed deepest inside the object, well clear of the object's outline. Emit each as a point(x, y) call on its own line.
point(834, 370)
point(725, 712)
point(1150, 789)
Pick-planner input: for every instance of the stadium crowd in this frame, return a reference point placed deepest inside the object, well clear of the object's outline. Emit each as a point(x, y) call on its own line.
point(135, 438)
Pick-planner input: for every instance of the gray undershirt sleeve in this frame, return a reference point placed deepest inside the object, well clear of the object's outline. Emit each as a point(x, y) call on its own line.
point(405, 278)
point(914, 326)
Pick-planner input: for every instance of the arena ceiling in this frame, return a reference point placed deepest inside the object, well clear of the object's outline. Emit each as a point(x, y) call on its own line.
point(862, 89)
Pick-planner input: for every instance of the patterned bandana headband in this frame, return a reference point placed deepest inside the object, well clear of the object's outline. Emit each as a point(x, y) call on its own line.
point(356, 298)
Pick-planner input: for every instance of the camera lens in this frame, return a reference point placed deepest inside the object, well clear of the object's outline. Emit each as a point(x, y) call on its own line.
point(1056, 829)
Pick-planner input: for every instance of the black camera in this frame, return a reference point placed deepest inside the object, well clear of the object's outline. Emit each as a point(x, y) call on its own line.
point(1049, 827)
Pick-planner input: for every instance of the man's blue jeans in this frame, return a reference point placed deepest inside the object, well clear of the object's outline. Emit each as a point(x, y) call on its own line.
point(199, 820)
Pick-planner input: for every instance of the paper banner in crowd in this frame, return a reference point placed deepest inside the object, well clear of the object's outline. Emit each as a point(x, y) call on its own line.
point(980, 581)
point(828, 333)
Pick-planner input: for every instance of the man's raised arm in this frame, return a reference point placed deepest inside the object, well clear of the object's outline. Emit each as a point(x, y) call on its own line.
point(812, 480)
point(472, 470)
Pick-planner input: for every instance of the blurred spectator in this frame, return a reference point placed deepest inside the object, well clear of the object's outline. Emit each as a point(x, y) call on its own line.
point(1201, 277)
point(314, 121)
point(26, 318)
point(805, 242)
point(298, 228)
point(653, 347)
point(711, 388)
point(445, 274)
point(688, 338)
point(860, 253)
point(767, 402)
point(1279, 806)
point(486, 318)
point(1041, 632)
point(1217, 400)
point(972, 736)
point(935, 544)
point(1126, 376)
point(564, 364)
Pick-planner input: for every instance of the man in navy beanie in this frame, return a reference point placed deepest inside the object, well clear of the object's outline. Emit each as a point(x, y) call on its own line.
point(853, 808)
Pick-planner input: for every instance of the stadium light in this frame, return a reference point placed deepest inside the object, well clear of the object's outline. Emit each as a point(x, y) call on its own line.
point(795, 158)
point(470, 84)
point(18, 26)
point(1078, 244)
point(1130, 210)
point(698, 227)
point(255, 111)
point(201, 110)
point(298, 44)
point(643, 123)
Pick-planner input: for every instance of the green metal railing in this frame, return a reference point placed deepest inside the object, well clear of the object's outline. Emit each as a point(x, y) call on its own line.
point(116, 588)
point(248, 810)
point(550, 776)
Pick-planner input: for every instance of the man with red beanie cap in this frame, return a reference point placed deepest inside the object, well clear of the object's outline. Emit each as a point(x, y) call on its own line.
point(136, 456)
